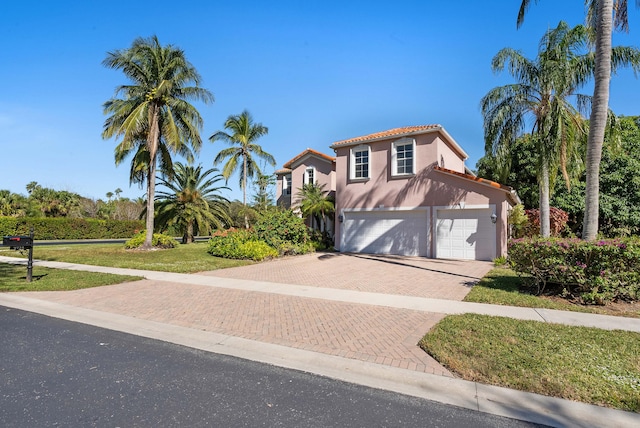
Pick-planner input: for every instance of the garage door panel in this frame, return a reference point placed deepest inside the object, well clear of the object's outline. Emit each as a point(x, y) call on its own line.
point(465, 234)
point(386, 232)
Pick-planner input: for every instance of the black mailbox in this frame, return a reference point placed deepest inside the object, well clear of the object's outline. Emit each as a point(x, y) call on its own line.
point(17, 242)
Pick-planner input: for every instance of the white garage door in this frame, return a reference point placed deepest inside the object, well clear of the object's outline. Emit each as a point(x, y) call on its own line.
point(465, 234)
point(386, 232)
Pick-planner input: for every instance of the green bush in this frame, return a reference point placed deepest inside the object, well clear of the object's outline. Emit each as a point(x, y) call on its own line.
point(239, 244)
point(596, 271)
point(159, 241)
point(283, 230)
point(69, 228)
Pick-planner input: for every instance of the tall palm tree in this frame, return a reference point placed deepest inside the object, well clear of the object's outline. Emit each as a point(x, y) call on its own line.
point(542, 94)
point(602, 18)
point(154, 109)
point(315, 202)
point(192, 201)
point(242, 134)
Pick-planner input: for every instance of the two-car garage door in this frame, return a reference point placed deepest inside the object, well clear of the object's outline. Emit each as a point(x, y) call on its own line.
point(459, 233)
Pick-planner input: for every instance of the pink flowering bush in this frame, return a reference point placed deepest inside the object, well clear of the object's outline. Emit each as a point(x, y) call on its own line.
point(595, 271)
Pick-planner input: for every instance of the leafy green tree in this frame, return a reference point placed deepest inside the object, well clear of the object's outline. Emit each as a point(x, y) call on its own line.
point(315, 202)
point(153, 114)
point(241, 214)
point(264, 198)
point(603, 16)
point(542, 96)
point(242, 135)
point(192, 201)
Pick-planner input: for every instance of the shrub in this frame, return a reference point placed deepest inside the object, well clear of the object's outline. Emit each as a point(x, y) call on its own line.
point(69, 228)
point(158, 240)
point(596, 271)
point(282, 230)
point(557, 218)
point(239, 244)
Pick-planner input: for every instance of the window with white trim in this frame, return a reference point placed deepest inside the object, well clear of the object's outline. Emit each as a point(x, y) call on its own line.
point(286, 184)
point(403, 157)
point(309, 175)
point(359, 160)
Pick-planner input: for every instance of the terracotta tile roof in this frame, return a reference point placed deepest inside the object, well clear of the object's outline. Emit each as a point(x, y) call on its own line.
point(390, 133)
point(484, 181)
point(307, 152)
point(283, 171)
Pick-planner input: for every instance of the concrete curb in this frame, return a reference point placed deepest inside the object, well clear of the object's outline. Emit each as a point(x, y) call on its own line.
point(471, 395)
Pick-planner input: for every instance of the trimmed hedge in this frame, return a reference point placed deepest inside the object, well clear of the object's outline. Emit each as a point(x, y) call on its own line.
point(596, 271)
point(70, 228)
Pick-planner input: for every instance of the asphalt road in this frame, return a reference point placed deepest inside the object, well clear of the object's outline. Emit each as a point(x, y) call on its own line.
point(58, 373)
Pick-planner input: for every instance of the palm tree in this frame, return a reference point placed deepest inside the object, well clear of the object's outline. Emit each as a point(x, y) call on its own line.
point(316, 203)
point(153, 113)
point(242, 134)
point(192, 201)
point(542, 92)
point(601, 17)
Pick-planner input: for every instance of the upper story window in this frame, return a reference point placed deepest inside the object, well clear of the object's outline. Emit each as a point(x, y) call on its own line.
point(359, 160)
point(403, 157)
point(286, 184)
point(309, 175)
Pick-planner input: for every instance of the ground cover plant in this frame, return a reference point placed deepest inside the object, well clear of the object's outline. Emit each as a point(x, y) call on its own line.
point(13, 278)
point(182, 259)
point(577, 363)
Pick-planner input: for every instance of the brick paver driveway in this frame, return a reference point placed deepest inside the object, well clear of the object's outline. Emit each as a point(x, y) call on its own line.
point(361, 331)
point(408, 276)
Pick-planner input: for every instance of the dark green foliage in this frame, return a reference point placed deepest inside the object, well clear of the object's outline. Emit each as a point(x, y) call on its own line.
point(70, 228)
point(596, 271)
point(283, 230)
point(158, 240)
point(619, 183)
point(239, 244)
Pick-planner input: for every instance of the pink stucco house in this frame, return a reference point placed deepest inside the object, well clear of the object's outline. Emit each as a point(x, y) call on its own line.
point(406, 191)
point(310, 166)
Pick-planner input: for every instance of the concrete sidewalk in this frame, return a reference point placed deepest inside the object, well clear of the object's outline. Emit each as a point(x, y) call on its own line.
point(120, 308)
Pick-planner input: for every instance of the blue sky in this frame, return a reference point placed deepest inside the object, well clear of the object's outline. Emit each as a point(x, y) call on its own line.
point(313, 72)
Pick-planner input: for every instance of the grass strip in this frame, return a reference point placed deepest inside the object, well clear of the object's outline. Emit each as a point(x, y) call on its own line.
point(13, 278)
point(577, 363)
point(189, 258)
point(501, 286)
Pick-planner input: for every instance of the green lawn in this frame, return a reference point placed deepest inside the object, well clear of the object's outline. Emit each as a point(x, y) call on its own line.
point(501, 286)
point(13, 278)
point(583, 364)
point(182, 259)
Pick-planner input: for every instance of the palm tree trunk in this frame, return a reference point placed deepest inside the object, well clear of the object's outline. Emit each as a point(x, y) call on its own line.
point(188, 234)
point(244, 190)
point(598, 120)
point(152, 142)
point(545, 222)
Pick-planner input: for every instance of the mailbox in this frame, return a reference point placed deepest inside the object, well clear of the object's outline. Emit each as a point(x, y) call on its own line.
point(17, 242)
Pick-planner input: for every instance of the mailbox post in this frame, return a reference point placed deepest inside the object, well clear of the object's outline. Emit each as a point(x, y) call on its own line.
point(21, 242)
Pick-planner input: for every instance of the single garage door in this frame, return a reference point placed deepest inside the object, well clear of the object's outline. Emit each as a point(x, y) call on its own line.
point(386, 232)
point(465, 234)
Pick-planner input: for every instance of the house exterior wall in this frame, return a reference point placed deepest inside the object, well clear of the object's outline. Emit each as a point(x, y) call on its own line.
point(324, 175)
point(281, 200)
point(428, 187)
